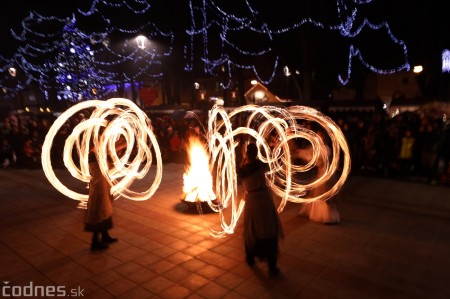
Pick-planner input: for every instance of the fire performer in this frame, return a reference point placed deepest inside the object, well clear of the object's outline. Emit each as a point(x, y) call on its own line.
point(98, 217)
point(262, 226)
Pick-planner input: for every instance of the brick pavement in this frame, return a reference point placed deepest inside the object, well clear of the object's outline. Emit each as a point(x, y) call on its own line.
point(393, 242)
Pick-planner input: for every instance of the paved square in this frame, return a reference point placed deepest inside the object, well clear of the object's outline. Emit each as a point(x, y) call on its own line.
point(393, 242)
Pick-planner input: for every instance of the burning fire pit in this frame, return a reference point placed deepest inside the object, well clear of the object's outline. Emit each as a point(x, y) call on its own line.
point(197, 180)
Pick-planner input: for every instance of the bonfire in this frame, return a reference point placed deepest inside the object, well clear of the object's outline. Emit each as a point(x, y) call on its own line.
point(197, 179)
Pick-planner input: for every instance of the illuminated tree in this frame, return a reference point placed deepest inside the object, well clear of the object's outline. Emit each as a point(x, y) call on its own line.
point(77, 73)
point(221, 39)
point(121, 26)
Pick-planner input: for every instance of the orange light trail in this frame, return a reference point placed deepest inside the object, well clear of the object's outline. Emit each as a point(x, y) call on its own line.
point(285, 124)
point(121, 119)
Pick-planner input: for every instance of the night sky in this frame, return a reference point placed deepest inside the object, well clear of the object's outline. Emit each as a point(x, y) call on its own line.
point(11, 18)
point(419, 23)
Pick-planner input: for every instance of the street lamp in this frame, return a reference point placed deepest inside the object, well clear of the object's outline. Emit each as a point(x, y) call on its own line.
point(287, 73)
point(14, 87)
point(195, 94)
point(12, 71)
point(417, 69)
point(141, 40)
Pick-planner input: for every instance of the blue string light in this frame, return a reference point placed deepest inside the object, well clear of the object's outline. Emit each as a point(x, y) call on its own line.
point(212, 15)
point(210, 21)
point(42, 56)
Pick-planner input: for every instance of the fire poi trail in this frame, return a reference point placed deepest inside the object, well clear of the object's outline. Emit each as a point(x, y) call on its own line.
point(121, 118)
point(285, 125)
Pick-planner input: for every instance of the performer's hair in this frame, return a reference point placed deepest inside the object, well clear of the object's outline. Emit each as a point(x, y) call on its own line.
point(252, 151)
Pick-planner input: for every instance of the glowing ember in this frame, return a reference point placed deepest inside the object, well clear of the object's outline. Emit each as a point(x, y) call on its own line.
point(197, 178)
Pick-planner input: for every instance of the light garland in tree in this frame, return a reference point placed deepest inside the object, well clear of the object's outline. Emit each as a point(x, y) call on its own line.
point(223, 33)
point(77, 74)
point(208, 15)
point(43, 56)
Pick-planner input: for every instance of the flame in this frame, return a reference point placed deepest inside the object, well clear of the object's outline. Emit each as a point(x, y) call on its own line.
point(197, 179)
point(129, 123)
point(217, 159)
point(286, 125)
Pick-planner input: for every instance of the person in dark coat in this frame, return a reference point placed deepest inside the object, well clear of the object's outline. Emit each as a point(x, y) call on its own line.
point(262, 227)
point(98, 217)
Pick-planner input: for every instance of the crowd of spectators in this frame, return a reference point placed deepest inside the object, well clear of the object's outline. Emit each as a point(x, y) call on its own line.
point(411, 145)
point(21, 139)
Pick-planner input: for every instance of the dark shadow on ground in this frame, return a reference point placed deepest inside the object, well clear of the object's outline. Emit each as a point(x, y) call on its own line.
point(193, 208)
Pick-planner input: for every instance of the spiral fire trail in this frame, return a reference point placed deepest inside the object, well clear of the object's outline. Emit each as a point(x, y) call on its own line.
point(225, 133)
point(120, 119)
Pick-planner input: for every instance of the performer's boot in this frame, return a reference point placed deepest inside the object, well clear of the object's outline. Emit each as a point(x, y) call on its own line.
point(96, 244)
point(249, 257)
point(106, 238)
